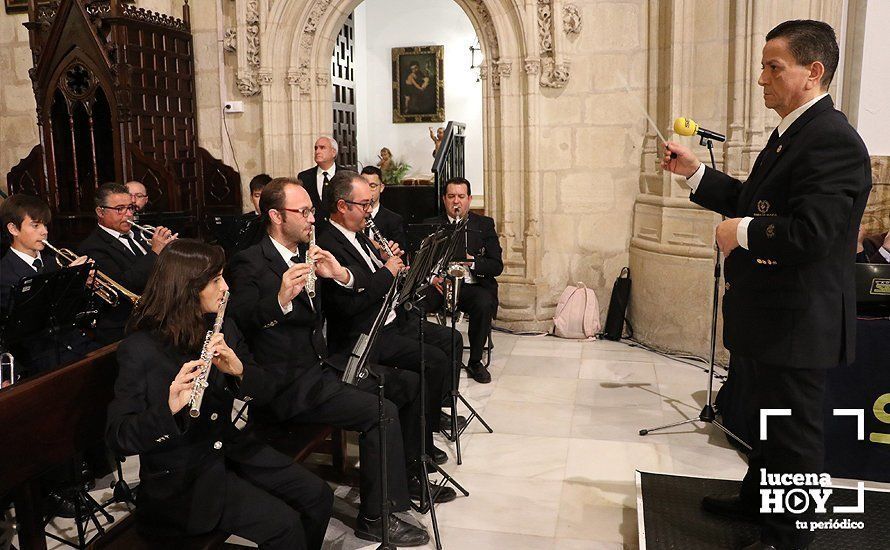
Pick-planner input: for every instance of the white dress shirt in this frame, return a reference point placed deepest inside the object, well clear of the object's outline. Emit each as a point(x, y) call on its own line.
point(125, 242)
point(28, 259)
point(694, 180)
point(286, 255)
point(319, 177)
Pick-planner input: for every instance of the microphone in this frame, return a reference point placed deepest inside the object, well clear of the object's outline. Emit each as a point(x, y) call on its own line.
point(687, 127)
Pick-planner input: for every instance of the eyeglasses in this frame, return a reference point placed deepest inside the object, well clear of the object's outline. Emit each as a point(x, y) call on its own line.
point(138, 196)
point(305, 212)
point(363, 205)
point(374, 185)
point(120, 209)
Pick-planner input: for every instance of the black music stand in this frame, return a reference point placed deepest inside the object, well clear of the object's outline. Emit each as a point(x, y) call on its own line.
point(48, 304)
point(457, 252)
point(433, 255)
point(357, 368)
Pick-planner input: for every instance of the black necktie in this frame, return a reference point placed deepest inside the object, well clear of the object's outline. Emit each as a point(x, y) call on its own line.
point(325, 188)
point(367, 247)
point(38, 265)
point(136, 250)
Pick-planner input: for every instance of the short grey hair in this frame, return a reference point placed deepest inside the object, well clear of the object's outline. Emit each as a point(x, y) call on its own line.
point(334, 145)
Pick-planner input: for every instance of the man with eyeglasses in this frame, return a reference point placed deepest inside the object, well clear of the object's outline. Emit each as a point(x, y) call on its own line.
point(284, 328)
point(348, 317)
point(138, 195)
point(390, 224)
point(119, 254)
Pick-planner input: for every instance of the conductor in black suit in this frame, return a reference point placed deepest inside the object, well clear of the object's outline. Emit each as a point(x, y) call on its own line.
point(482, 257)
point(790, 245)
point(118, 253)
point(390, 224)
point(316, 180)
point(203, 474)
point(284, 328)
point(350, 315)
point(25, 218)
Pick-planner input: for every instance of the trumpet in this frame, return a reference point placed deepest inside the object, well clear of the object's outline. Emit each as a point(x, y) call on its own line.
point(104, 286)
point(145, 231)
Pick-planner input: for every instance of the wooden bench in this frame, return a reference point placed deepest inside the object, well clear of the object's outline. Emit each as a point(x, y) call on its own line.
point(51, 419)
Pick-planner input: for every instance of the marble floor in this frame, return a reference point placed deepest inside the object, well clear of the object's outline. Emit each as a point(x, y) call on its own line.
point(558, 471)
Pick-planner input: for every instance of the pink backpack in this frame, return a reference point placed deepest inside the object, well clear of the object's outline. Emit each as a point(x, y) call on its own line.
point(577, 313)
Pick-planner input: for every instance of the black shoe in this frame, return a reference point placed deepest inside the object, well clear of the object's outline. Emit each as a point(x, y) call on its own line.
point(730, 506)
point(438, 455)
point(479, 372)
point(401, 533)
point(443, 494)
point(445, 421)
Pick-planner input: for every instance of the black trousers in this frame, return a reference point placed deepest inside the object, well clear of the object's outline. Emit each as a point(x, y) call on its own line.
point(399, 346)
point(403, 389)
point(277, 508)
point(354, 409)
point(794, 444)
point(481, 305)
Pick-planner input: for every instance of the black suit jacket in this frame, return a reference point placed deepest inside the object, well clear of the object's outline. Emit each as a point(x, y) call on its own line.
point(13, 269)
point(182, 461)
point(484, 246)
point(391, 225)
point(350, 312)
point(308, 177)
point(115, 260)
point(790, 298)
point(292, 346)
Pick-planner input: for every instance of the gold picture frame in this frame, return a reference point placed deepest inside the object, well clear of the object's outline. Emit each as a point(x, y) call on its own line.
point(418, 84)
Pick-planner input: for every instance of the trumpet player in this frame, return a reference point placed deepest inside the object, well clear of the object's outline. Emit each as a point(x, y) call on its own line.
point(284, 328)
point(119, 254)
point(481, 255)
point(25, 219)
point(204, 474)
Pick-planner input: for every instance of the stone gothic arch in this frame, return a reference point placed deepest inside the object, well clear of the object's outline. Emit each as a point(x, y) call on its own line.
point(283, 53)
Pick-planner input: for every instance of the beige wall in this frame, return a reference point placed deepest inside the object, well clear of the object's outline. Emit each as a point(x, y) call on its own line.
point(18, 127)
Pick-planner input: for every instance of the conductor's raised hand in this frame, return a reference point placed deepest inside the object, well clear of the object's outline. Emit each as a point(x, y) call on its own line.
point(224, 358)
point(292, 283)
point(685, 163)
point(181, 387)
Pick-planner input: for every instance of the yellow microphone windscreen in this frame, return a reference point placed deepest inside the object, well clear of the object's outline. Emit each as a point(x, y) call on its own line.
point(685, 126)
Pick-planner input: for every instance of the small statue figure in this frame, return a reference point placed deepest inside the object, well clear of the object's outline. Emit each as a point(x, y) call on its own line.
point(385, 157)
point(437, 138)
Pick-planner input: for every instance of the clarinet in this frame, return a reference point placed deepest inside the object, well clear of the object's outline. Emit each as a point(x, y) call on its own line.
point(378, 236)
point(204, 370)
point(311, 277)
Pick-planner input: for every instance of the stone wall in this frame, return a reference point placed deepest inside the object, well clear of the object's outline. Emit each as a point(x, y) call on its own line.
point(18, 118)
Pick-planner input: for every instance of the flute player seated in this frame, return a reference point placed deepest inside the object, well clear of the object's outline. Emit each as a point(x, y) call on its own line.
point(202, 474)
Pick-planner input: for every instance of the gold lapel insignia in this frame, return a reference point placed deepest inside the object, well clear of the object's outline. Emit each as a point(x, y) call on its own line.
point(763, 206)
point(770, 231)
point(779, 149)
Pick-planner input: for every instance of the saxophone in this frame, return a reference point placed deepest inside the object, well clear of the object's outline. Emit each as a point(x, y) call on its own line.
point(310, 277)
point(204, 370)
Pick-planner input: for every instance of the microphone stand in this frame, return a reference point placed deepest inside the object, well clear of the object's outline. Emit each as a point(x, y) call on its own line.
point(708, 414)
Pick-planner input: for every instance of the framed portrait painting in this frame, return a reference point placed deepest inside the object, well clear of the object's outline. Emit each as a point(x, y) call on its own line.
point(418, 92)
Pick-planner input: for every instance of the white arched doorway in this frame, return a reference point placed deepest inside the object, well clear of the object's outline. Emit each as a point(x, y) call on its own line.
point(284, 53)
